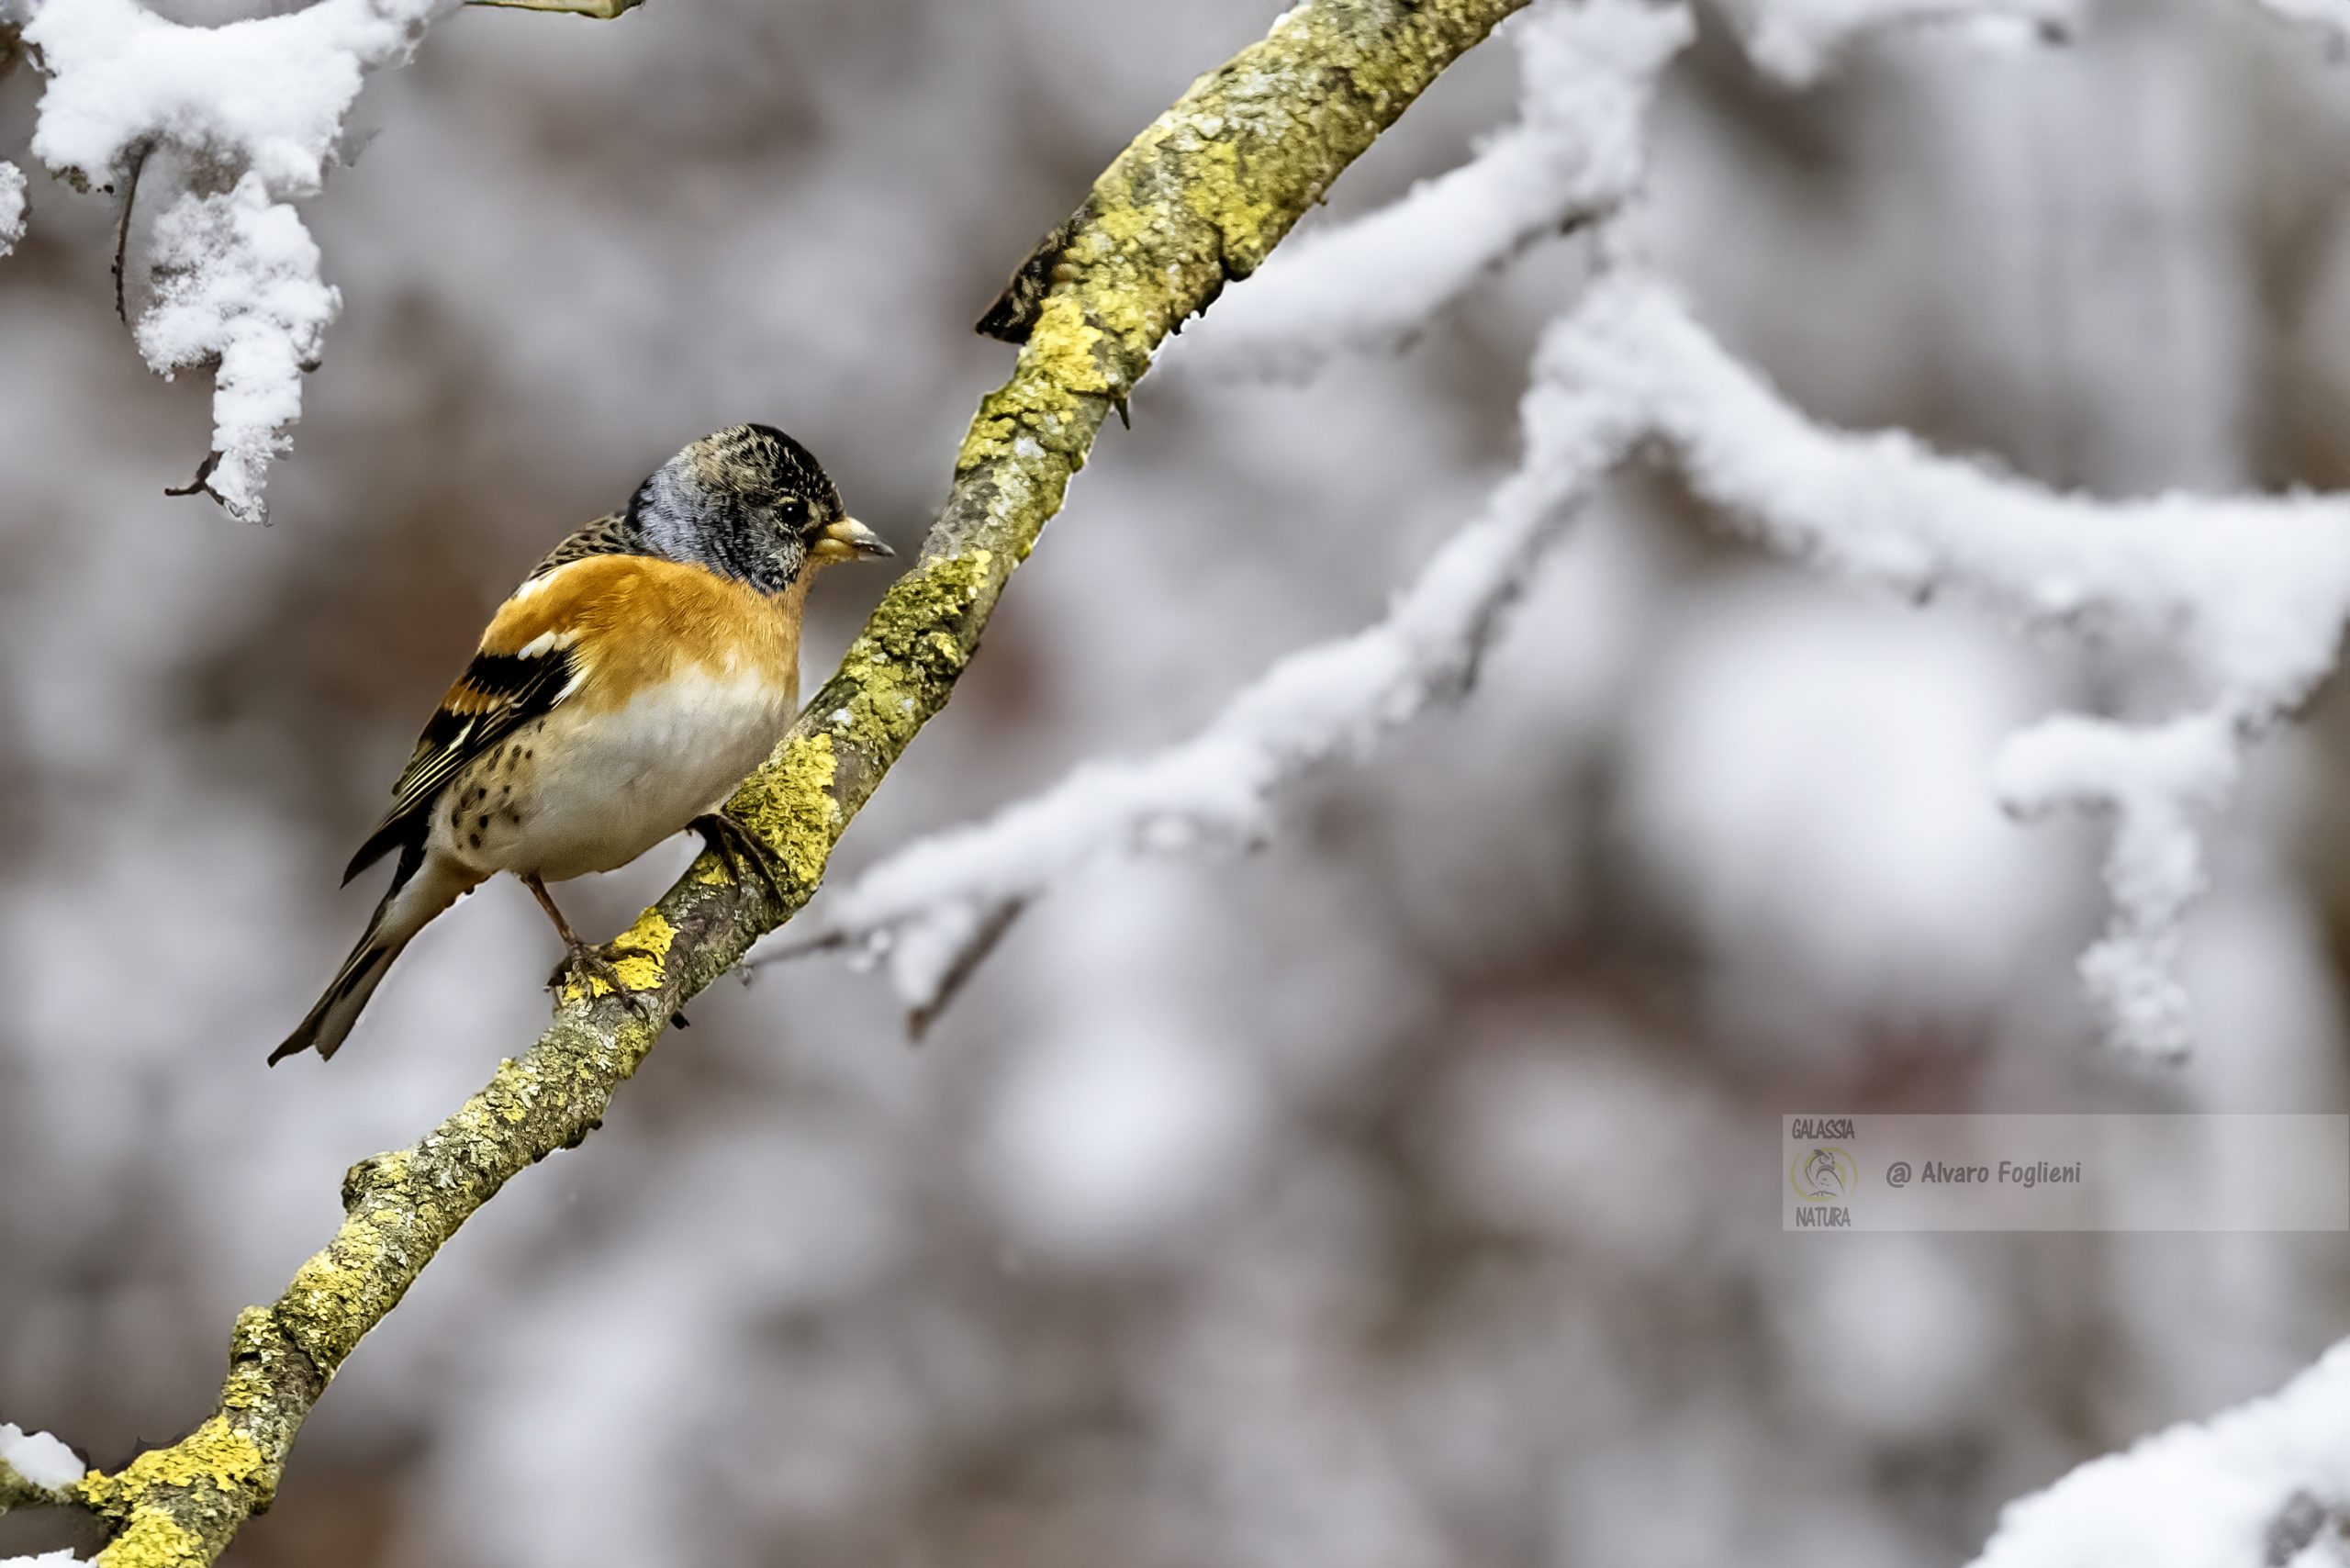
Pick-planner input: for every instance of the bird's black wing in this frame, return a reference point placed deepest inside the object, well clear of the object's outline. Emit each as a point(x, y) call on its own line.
point(498, 695)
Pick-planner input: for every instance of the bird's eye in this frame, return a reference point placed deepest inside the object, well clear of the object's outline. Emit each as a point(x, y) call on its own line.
point(792, 510)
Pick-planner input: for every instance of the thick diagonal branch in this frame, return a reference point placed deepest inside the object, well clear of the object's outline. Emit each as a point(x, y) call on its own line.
point(1198, 199)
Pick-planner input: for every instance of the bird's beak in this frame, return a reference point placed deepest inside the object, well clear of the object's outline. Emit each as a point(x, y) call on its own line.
point(849, 539)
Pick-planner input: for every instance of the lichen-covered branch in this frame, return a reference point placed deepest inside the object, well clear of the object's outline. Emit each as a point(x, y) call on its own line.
point(1199, 197)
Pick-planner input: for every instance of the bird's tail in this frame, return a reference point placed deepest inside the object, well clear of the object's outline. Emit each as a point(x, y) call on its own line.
point(421, 888)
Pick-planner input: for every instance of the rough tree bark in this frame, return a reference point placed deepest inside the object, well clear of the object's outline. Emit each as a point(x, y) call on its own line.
point(1198, 199)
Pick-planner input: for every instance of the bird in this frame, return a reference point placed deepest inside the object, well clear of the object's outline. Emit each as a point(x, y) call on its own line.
point(641, 672)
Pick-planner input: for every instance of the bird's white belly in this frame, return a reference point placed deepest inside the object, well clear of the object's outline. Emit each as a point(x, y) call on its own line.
point(601, 789)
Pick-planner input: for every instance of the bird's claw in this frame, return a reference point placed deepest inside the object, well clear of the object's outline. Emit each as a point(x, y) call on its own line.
point(743, 852)
point(586, 966)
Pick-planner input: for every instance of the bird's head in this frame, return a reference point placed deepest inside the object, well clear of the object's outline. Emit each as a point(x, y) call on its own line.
point(749, 502)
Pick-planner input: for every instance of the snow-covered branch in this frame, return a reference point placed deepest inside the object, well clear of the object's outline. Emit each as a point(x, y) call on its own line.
point(35, 1469)
point(1576, 153)
point(1587, 72)
point(2264, 1484)
point(12, 206)
point(2248, 596)
point(931, 911)
point(1798, 41)
point(244, 119)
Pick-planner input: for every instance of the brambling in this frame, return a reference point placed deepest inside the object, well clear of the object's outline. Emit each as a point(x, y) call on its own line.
point(640, 673)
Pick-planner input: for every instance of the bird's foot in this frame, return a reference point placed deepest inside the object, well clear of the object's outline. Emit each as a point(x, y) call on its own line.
point(589, 967)
point(746, 854)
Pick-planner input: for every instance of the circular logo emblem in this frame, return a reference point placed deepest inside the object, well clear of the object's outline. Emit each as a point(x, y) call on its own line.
point(1824, 1175)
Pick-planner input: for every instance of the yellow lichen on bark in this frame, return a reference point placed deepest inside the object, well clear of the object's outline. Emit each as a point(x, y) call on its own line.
point(1064, 362)
point(790, 805)
point(158, 1500)
point(215, 1454)
point(643, 949)
point(153, 1538)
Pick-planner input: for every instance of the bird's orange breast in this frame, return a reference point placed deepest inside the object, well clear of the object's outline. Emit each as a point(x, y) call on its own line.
point(633, 623)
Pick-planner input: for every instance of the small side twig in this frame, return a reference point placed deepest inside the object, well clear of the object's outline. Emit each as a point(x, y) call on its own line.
point(202, 483)
point(969, 955)
point(786, 952)
point(598, 10)
point(122, 235)
point(967, 963)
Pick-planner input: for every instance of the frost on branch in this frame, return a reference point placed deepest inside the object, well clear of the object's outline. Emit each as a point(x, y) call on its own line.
point(929, 911)
point(248, 115)
point(237, 287)
point(2155, 781)
point(12, 206)
point(1578, 150)
point(1587, 74)
point(1798, 40)
point(34, 1467)
point(2248, 594)
point(2264, 1484)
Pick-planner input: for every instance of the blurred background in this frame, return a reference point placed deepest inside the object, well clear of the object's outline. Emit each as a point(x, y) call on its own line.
point(1406, 1196)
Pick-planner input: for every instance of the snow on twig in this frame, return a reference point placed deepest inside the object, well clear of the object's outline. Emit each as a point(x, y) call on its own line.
point(249, 114)
point(1797, 42)
point(932, 910)
point(12, 206)
point(1576, 154)
point(2250, 594)
point(35, 1471)
point(2265, 1482)
point(40, 1459)
point(1588, 71)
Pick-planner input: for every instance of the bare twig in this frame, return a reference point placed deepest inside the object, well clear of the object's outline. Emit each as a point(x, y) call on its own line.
point(600, 10)
point(993, 929)
point(202, 483)
point(122, 240)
